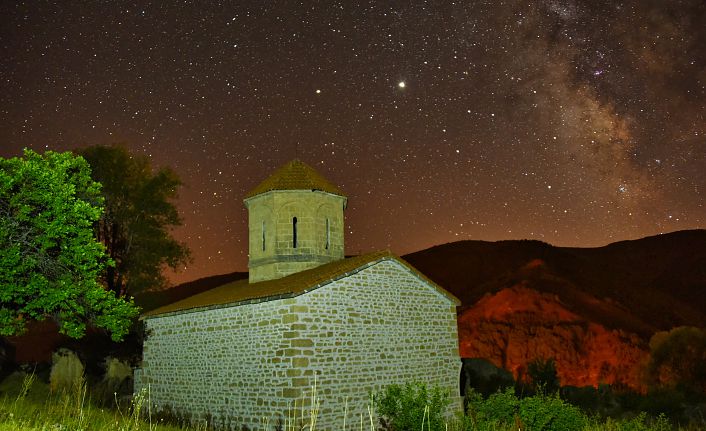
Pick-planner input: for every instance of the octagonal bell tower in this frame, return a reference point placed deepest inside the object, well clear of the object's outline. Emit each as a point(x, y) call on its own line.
point(295, 220)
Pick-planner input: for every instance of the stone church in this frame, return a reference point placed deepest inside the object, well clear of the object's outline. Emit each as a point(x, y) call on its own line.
point(252, 351)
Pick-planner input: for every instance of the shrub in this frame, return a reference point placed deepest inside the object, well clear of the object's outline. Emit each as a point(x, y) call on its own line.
point(676, 361)
point(537, 413)
point(407, 407)
point(550, 413)
point(500, 407)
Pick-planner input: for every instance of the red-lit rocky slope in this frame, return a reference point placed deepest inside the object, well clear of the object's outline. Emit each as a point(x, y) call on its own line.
point(518, 324)
point(591, 309)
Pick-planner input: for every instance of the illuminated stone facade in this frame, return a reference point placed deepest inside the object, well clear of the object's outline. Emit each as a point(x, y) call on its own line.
point(242, 364)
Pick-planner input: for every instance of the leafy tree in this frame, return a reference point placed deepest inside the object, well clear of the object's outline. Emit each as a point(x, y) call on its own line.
point(49, 260)
point(139, 213)
point(678, 360)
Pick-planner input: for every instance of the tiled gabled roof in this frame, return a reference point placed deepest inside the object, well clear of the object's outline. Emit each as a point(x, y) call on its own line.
point(239, 292)
point(295, 175)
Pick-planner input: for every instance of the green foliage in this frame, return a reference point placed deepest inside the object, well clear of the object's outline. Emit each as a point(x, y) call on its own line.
point(676, 361)
point(542, 373)
point(537, 413)
point(27, 405)
point(139, 213)
point(500, 407)
point(72, 411)
point(660, 423)
point(407, 407)
point(638, 423)
point(504, 411)
point(49, 260)
point(550, 413)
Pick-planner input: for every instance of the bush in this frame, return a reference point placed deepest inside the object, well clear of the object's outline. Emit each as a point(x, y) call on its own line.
point(402, 408)
point(500, 407)
point(676, 361)
point(537, 413)
point(550, 413)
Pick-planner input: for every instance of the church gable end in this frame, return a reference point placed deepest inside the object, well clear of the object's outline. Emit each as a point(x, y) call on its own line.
point(378, 325)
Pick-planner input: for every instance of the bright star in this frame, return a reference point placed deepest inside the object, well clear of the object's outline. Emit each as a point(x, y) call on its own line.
point(401, 84)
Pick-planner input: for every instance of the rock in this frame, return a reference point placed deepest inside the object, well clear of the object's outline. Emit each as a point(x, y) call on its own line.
point(66, 371)
point(118, 376)
point(481, 375)
point(516, 325)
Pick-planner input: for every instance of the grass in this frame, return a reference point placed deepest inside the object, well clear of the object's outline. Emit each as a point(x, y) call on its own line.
point(26, 404)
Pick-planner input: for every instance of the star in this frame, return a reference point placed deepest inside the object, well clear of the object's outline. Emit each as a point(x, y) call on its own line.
point(552, 116)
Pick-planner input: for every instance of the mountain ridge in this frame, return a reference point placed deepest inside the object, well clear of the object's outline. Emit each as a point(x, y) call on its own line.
point(658, 281)
point(592, 310)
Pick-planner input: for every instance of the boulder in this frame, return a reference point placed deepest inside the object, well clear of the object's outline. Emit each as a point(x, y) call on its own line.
point(66, 371)
point(484, 377)
point(118, 376)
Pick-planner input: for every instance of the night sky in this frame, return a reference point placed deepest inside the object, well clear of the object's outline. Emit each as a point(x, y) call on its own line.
point(578, 123)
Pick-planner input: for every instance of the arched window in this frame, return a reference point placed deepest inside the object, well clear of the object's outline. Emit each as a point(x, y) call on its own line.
point(328, 233)
point(294, 232)
point(263, 235)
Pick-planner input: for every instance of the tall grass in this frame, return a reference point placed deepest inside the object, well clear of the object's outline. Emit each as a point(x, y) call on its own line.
point(28, 405)
point(32, 407)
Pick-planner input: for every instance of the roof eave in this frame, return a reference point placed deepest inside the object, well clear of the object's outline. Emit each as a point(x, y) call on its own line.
point(250, 198)
point(386, 256)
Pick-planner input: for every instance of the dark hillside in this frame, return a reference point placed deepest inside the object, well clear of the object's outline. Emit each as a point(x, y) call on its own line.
point(591, 309)
point(644, 285)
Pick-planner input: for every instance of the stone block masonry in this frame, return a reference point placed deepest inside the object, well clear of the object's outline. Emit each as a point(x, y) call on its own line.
point(359, 333)
point(319, 228)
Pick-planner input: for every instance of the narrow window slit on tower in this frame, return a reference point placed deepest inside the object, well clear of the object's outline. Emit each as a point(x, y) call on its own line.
point(263, 235)
point(328, 234)
point(294, 232)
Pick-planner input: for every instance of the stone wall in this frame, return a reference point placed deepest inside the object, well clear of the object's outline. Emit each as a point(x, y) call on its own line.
point(378, 326)
point(317, 241)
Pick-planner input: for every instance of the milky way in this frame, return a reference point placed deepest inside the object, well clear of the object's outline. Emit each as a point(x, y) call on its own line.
point(575, 123)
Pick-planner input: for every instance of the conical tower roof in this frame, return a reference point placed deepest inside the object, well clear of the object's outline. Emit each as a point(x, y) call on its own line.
point(295, 175)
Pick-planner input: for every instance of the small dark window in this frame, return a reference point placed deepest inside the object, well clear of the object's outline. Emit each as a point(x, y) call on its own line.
point(294, 232)
point(328, 233)
point(263, 235)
